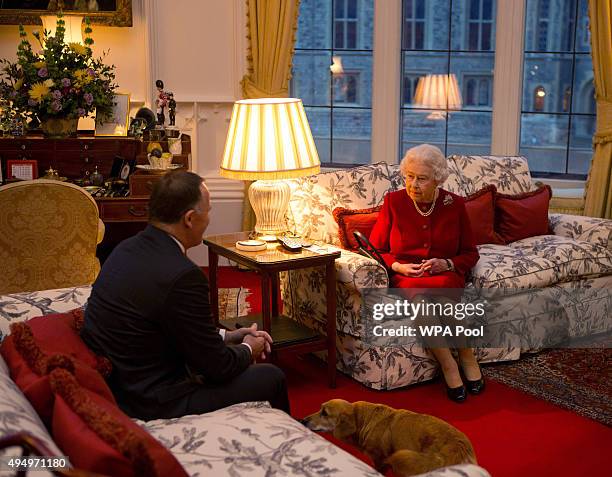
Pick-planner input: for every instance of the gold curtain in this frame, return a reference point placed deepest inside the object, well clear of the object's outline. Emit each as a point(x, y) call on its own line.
point(272, 25)
point(598, 192)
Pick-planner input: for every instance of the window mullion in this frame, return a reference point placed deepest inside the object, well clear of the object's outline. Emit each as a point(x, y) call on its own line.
point(508, 76)
point(386, 76)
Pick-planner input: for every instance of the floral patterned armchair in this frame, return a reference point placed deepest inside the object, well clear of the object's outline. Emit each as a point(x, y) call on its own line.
point(48, 236)
point(577, 255)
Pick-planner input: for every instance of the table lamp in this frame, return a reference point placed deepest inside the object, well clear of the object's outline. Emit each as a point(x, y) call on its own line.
point(269, 139)
point(73, 25)
point(437, 92)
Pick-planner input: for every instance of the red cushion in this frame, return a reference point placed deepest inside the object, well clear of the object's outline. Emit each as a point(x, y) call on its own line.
point(98, 437)
point(523, 215)
point(480, 208)
point(349, 221)
point(31, 351)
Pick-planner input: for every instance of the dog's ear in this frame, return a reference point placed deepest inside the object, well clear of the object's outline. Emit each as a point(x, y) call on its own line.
point(345, 426)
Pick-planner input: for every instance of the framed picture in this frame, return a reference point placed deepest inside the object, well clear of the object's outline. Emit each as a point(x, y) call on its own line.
point(118, 124)
point(122, 167)
point(21, 169)
point(103, 12)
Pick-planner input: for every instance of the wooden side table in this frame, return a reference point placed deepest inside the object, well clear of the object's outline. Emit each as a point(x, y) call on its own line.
point(286, 333)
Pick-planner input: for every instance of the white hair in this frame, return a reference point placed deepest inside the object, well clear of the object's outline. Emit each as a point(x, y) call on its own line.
point(429, 155)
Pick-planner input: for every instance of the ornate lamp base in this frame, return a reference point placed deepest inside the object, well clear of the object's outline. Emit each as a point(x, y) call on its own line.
point(270, 200)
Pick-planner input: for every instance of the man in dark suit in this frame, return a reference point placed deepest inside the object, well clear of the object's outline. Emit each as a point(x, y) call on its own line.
point(149, 313)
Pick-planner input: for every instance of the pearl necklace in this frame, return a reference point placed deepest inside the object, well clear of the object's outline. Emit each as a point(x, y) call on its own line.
point(433, 204)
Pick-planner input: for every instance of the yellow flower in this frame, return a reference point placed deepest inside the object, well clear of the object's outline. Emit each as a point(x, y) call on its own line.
point(82, 77)
point(40, 64)
point(49, 83)
point(77, 48)
point(38, 91)
point(18, 84)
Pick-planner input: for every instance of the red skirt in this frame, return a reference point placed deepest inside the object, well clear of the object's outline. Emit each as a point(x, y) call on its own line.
point(442, 281)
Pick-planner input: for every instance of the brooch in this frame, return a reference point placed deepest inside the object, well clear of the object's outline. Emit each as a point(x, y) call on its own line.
point(448, 199)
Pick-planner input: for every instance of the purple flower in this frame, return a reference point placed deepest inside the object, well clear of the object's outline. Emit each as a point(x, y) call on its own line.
point(81, 112)
point(56, 105)
point(32, 102)
point(13, 94)
point(91, 72)
point(88, 98)
point(56, 94)
point(65, 82)
point(43, 72)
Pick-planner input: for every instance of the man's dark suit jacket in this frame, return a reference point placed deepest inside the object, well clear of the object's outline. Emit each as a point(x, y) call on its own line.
point(149, 313)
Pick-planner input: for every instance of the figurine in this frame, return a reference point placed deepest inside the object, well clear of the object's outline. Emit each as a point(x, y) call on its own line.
point(161, 102)
point(171, 108)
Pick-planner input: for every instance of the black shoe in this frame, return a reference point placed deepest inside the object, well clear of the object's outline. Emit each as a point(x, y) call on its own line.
point(476, 387)
point(456, 394)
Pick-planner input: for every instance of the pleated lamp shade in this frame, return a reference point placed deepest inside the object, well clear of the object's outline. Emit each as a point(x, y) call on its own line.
point(269, 138)
point(73, 26)
point(438, 92)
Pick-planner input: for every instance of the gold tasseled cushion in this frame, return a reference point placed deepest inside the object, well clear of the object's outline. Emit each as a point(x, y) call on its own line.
point(48, 236)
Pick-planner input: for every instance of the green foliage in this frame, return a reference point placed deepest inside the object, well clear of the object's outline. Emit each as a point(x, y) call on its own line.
point(60, 80)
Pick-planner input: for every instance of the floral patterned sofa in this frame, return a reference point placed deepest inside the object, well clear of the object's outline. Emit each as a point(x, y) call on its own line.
point(573, 266)
point(249, 439)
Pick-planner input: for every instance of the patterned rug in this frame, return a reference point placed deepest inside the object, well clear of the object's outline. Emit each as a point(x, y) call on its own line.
point(233, 302)
point(577, 379)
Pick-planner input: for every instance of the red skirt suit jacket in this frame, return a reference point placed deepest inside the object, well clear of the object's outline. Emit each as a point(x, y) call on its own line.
point(405, 236)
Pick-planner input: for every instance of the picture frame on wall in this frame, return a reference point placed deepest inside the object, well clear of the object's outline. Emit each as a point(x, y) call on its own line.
point(21, 169)
point(118, 123)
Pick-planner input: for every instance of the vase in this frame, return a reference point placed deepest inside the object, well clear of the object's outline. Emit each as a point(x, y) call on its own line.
point(59, 127)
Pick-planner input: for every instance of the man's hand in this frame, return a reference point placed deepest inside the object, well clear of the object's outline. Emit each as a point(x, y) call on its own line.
point(258, 345)
point(237, 336)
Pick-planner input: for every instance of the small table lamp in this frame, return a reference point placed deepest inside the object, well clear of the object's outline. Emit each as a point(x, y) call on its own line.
point(269, 139)
point(437, 92)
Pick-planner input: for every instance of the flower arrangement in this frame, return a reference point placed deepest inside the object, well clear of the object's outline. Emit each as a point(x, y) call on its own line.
point(62, 81)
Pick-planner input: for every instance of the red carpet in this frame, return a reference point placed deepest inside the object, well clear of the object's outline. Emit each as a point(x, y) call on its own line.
point(513, 433)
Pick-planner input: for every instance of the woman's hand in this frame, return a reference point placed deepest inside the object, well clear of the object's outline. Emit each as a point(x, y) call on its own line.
point(408, 269)
point(435, 266)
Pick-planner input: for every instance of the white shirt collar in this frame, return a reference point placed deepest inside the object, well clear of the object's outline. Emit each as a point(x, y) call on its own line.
point(178, 243)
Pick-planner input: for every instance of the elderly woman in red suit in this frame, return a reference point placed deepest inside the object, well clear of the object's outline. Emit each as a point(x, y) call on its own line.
point(425, 237)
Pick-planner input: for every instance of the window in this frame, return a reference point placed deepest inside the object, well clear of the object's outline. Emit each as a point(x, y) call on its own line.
point(459, 53)
point(542, 35)
point(338, 101)
point(477, 90)
point(557, 116)
point(480, 25)
point(346, 88)
point(414, 24)
point(547, 114)
point(345, 24)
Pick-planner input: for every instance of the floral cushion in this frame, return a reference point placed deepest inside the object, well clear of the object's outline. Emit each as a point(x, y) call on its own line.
point(587, 229)
point(539, 262)
point(509, 174)
point(18, 415)
point(251, 439)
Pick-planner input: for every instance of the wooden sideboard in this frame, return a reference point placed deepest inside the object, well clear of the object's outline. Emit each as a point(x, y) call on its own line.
point(72, 157)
